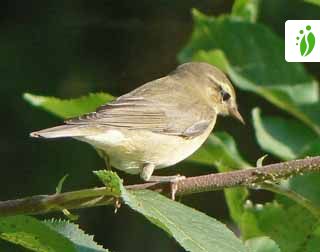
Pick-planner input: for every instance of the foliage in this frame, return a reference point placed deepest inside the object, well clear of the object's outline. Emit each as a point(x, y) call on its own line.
point(81, 241)
point(254, 65)
point(262, 244)
point(316, 2)
point(51, 235)
point(259, 67)
point(68, 108)
point(252, 55)
point(188, 226)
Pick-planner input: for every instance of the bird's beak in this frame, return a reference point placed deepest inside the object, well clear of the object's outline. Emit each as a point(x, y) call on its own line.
point(235, 113)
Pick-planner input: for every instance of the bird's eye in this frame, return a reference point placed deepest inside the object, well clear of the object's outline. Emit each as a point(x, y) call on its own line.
point(225, 95)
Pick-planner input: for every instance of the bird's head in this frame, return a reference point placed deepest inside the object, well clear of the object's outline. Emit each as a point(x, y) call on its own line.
point(215, 88)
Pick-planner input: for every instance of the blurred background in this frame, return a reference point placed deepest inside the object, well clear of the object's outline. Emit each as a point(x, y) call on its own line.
point(70, 48)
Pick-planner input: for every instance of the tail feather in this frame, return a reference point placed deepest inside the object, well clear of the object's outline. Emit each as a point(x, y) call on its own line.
point(59, 131)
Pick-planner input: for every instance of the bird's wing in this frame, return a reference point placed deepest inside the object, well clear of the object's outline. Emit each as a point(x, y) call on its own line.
point(187, 118)
point(130, 113)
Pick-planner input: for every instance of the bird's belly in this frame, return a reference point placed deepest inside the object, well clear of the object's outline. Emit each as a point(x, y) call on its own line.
point(130, 150)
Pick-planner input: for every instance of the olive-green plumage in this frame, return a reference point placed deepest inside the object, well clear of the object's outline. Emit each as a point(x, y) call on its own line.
point(158, 124)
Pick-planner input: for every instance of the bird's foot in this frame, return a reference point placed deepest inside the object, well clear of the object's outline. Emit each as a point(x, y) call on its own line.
point(146, 175)
point(169, 179)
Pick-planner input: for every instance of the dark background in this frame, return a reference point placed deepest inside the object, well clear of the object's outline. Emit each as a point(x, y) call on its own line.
point(70, 48)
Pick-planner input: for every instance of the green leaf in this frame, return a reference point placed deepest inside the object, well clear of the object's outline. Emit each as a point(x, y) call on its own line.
point(246, 10)
point(60, 184)
point(81, 241)
point(253, 57)
point(33, 234)
point(111, 180)
point(313, 148)
point(306, 185)
point(193, 230)
point(262, 244)
point(214, 57)
point(312, 111)
point(290, 139)
point(220, 150)
point(313, 241)
point(69, 107)
point(282, 137)
point(290, 226)
point(316, 2)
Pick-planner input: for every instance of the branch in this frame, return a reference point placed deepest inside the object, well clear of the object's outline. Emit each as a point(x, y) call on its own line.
point(250, 177)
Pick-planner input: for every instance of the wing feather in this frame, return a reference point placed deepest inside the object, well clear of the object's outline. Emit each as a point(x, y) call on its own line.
point(176, 113)
point(136, 113)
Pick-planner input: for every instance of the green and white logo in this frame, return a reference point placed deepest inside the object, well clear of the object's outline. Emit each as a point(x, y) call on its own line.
point(302, 40)
point(306, 41)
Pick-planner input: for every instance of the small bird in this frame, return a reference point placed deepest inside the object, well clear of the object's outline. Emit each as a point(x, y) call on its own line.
point(158, 124)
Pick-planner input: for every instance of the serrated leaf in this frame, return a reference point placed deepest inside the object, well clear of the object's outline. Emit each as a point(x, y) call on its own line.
point(262, 244)
point(111, 180)
point(67, 108)
point(193, 230)
point(82, 241)
point(255, 65)
point(33, 234)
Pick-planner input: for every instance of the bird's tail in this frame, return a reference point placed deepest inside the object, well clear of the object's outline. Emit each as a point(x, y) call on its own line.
point(59, 131)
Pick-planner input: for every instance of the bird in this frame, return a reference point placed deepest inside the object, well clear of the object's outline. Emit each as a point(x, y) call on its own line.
point(158, 124)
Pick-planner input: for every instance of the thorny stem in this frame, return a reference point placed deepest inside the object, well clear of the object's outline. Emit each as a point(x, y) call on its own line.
point(251, 177)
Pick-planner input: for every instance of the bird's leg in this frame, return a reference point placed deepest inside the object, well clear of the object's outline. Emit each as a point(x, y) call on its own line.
point(146, 175)
point(105, 157)
point(146, 172)
point(100, 152)
point(108, 163)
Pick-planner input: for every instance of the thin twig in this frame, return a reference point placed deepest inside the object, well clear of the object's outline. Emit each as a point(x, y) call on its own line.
point(103, 196)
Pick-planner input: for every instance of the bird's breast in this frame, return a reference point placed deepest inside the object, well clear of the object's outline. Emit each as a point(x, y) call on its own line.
point(129, 150)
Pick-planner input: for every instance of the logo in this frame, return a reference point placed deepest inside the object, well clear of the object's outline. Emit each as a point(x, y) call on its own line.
point(302, 40)
point(306, 42)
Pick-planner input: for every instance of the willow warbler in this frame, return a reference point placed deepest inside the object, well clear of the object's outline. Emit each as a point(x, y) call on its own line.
point(158, 124)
